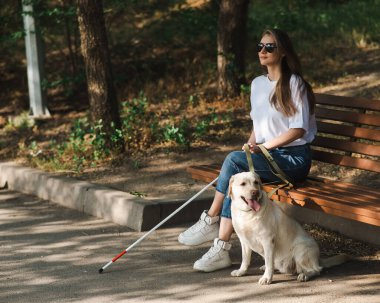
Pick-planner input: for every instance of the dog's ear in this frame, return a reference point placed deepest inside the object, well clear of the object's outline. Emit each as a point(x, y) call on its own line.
point(230, 186)
point(258, 179)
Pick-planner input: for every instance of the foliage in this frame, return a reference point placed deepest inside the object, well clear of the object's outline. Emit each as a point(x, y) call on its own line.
point(155, 39)
point(165, 49)
point(85, 147)
point(86, 144)
point(139, 126)
point(202, 127)
point(319, 20)
point(320, 30)
point(20, 122)
point(179, 135)
point(65, 82)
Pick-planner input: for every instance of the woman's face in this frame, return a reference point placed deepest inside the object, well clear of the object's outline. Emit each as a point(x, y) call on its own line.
point(269, 58)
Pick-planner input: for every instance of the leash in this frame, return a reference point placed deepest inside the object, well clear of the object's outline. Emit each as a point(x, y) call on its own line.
point(249, 158)
point(276, 170)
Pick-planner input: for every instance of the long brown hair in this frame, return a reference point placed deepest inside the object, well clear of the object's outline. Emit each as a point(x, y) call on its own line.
point(290, 64)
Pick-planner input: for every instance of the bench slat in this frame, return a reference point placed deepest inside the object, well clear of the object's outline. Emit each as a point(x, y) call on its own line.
point(347, 116)
point(348, 101)
point(205, 171)
point(320, 202)
point(340, 194)
point(355, 147)
point(344, 185)
point(349, 131)
point(354, 214)
point(337, 212)
point(370, 209)
point(347, 198)
point(355, 192)
point(365, 164)
point(201, 177)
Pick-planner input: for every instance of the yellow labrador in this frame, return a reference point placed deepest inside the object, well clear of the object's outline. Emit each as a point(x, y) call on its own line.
point(264, 228)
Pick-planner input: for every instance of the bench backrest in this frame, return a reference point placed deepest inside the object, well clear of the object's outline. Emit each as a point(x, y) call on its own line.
point(348, 132)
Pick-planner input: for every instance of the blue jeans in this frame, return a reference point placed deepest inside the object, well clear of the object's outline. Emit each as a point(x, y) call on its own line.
point(295, 162)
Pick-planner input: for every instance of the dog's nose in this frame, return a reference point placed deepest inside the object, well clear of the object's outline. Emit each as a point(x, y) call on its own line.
point(254, 192)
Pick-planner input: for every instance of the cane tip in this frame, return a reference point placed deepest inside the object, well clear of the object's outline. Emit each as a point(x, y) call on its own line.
point(100, 270)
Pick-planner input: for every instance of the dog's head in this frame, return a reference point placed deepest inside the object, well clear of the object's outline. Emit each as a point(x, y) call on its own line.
point(245, 190)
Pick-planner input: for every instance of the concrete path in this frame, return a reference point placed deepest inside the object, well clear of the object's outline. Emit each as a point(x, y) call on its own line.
point(52, 254)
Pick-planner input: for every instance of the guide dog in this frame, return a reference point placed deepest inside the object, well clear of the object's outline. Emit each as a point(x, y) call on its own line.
point(264, 228)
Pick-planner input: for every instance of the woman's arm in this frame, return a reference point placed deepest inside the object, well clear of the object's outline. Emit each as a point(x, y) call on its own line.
point(252, 137)
point(251, 141)
point(286, 138)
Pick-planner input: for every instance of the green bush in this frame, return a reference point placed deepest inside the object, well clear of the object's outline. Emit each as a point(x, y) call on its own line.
point(139, 124)
point(84, 147)
point(179, 135)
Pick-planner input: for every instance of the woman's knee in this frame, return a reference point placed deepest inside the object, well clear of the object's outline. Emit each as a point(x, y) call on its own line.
point(233, 157)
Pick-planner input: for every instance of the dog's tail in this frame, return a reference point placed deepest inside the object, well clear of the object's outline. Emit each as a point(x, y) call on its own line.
point(334, 260)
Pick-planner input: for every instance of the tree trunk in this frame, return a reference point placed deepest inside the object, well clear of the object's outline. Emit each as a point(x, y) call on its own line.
point(101, 91)
point(69, 37)
point(232, 25)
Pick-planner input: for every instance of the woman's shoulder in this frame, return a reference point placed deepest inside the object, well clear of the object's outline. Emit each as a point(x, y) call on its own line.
point(259, 79)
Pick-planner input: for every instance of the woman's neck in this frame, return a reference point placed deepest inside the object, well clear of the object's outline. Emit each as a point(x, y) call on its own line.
point(274, 72)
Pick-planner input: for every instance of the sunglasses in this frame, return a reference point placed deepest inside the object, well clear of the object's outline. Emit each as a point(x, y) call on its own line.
point(269, 47)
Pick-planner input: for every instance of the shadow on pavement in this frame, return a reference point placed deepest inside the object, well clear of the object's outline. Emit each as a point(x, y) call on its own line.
point(52, 254)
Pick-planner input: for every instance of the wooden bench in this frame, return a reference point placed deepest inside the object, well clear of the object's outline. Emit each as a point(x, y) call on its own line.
point(348, 135)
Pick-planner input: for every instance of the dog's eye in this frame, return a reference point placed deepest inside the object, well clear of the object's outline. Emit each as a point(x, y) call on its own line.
point(242, 184)
point(256, 182)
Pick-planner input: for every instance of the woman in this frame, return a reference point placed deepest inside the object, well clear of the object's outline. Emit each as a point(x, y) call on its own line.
point(283, 121)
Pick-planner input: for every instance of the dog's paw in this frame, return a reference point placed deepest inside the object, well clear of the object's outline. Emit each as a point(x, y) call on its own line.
point(302, 277)
point(262, 268)
point(264, 280)
point(238, 273)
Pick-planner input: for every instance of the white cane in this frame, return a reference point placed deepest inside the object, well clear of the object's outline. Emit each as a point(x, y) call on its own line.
point(157, 226)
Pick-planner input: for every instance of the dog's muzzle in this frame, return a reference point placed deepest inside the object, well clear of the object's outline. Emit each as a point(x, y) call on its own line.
point(252, 202)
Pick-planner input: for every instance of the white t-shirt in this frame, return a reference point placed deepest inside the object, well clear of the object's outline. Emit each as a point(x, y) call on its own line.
point(269, 123)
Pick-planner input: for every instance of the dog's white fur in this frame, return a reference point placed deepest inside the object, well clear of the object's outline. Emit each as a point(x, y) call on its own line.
point(268, 231)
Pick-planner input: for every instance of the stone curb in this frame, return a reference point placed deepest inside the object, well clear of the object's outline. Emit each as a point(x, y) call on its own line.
point(138, 213)
point(97, 200)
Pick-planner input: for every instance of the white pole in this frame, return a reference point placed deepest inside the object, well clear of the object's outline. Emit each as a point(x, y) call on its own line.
point(34, 57)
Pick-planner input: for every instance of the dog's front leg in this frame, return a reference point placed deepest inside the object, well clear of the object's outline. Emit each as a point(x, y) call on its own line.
point(246, 253)
point(269, 262)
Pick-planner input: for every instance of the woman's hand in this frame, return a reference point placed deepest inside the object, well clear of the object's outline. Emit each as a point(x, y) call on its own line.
point(253, 148)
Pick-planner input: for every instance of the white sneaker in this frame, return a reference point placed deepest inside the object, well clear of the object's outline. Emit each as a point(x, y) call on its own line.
point(216, 258)
point(206, 229)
